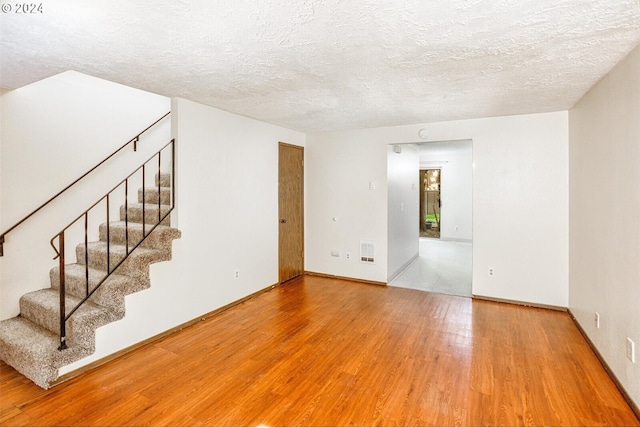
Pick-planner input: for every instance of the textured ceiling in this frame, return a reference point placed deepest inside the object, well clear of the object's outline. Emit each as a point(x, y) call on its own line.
point(316, 65)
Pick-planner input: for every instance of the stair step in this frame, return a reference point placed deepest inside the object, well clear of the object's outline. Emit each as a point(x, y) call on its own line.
point(110, 294)
point(134, 213)
point(151, 195)
point(42, 307)
point(164, 180)
point(136, 265)
point(33, 350)
point(156, 239)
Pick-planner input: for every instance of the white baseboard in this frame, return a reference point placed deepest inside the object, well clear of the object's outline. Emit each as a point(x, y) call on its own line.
point(468, 241)
point(402, 268)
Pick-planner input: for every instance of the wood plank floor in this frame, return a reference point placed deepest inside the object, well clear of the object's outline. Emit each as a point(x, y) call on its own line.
point(320, 352)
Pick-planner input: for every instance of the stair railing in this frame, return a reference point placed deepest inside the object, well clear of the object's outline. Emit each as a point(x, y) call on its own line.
point(133, 141)
point(147, 229)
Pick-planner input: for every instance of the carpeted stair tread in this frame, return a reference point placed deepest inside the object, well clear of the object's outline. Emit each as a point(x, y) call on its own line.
point(98, 254)
point(111, 292)
point(42, 307)
point(135, 266)
point(114, 249)
point(151, 195)
point(164, 180)
point(155, 239)
point(33, 350)
point(133, 213)
point(36, 338)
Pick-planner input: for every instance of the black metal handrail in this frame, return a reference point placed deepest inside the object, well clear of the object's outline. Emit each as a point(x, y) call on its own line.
point(60, 251)
point(134, 140)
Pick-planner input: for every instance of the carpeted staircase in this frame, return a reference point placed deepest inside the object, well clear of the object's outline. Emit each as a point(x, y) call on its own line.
point(30, 341)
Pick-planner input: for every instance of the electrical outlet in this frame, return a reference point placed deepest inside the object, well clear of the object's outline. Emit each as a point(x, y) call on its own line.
point(597, 320)
point(348, 256)
point(631, 350)
point(490, 272)
point(236, 274)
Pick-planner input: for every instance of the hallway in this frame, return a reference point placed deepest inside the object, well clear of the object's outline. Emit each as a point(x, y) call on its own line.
point(442, 267)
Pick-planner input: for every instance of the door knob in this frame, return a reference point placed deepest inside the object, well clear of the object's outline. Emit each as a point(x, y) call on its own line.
point(283, 220)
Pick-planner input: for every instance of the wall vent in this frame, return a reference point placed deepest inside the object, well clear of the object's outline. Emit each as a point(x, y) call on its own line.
point(367, 252)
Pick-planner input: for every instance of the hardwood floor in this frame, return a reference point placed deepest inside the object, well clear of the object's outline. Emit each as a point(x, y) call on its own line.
point(320, 351)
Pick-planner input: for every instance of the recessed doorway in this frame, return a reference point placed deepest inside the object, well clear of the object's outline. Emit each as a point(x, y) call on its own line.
point(443, 223)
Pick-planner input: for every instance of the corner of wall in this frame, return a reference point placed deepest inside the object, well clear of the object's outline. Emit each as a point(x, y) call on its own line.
point(604, 207)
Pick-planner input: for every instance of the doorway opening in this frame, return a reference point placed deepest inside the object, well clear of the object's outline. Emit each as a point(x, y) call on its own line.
point(435, 253)
point(430, 203)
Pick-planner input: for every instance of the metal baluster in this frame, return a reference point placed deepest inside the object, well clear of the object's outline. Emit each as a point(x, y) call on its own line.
point(144, 214)
point(108, 237)
point(173, 173)
point(63, 330)
point(126, 215)
point(86, 251)
point(159, 183)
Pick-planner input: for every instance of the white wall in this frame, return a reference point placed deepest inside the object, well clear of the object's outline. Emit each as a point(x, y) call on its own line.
point(52, 132)
point(339, 169)
point(456, 191)
point(520, 201)
point(227, 210)
point(604, 252)
point(403, 177)
point(2, 92)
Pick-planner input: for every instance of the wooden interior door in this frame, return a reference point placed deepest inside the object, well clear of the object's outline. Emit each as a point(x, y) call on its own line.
point(291, 211)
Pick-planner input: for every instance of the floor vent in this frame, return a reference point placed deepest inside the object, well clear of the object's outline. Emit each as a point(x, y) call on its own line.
point(367, 252)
